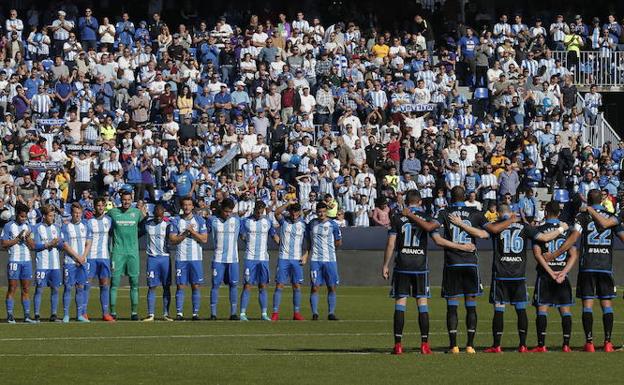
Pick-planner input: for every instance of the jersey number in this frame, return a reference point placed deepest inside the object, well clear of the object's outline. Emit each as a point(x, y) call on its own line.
point(512, 241)
point(595, 238)
point(411, 235)
point(554, 245)
point(459, 235)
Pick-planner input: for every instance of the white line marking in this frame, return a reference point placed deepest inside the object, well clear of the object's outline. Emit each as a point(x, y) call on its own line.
point(99, 355)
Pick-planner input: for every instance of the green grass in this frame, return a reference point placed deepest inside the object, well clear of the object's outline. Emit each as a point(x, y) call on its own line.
point(352, 351)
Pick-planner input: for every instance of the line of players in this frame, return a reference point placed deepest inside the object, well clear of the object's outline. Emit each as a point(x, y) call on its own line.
point(554, 247)
point(84, 245)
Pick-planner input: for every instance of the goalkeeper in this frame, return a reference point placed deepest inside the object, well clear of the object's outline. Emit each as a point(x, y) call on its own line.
point(125, 252)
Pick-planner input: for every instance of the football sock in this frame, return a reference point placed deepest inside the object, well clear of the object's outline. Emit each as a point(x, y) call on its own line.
point(423, 322)
point(85, 296)
point(196, 299)
point(214, 300)
point(37, 299)
point(233, 299)
point(541, 323)
point(54, 298)
point(451, 321)
point(523, 325)
point(399, 322)
point(66, 299)
point(498, 324)
point(277, 298)
point(105, 298)
point(134, 294)
point(263, 299)
point(166, 299)
point(244, 301)
point(115, 282)
point(179, 300)
point(588, 323)
point(607, 322)
point(471, 321)
point(26, 306)
point(566, 326)
point(296, 299)
point(78, 298)
point(314, 298)
point(331, 301)
point(9, 305)
point(151, 301)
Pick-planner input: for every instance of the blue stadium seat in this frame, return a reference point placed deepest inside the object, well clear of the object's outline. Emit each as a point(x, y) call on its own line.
point(150, 209)
point(561, 195)
point(481, 93)
point(158, 194)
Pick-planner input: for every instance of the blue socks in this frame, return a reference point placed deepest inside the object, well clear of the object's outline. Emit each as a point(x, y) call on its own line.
point(79, 299)
point(277, 299)
point(151, 300)
point(214, 300)
point(179, 300)
point(166, 299)
point(54, 298)
point(233, 299)
point(314, 298)
point(331, 302)
point(26, 306)
point(297, 300)
point(37, 299)
point(66, 300)
point(85, 295)
point(263, 299)
point(105, 298)
point(196, 300)
point(244, 301)
point(9, 305)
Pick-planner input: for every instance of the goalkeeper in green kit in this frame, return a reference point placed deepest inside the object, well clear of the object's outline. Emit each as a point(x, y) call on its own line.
point(125, 251)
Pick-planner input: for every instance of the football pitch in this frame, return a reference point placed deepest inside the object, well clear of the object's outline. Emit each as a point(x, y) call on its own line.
point(354, 350)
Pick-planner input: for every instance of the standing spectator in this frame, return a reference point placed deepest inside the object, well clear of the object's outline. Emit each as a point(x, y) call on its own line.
point(61, 29)
point(124, 31)
point(106, 32)
point(13, 24)
point(88, 28)
point(508, 181)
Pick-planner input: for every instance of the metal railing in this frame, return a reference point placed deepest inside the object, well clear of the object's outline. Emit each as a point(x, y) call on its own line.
point(604, 69)
point(600, 133)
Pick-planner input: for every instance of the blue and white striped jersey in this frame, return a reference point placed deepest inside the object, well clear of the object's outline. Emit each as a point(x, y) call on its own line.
point(189, 249)
point(256, 233)
point(48, 259)
point(322, 235)
point(292, 235)
point(76, 235)
point(100, 230)
point(157, 238)
point(225, 238)
point(18, 252)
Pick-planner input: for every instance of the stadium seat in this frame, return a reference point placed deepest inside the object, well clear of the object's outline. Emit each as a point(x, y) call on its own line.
point(481, 93)
point(561, 195)
point(150, 209)
point(158, 194)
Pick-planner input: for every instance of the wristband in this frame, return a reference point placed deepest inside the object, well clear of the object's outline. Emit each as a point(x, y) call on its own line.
point(561, 230)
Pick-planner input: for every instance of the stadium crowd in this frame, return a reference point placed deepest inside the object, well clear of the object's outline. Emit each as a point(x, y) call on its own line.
point(288, 109)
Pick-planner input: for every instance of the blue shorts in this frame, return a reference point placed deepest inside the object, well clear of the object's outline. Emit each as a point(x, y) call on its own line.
point(289, 271)
point(324, 273)
point(99, 268)
point(48, 277)
point(19, 270)
point(256, 272)
point(158, 271)
point(189, 272)
point(224, 273)
point(75, 275)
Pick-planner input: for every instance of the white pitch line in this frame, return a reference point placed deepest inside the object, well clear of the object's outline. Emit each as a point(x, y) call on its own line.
point(116, 355)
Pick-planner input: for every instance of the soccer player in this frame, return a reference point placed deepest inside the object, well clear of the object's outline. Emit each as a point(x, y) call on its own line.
point(509, 239)
point(98, 261)
point(255, 231)
point(47, 243)
point(460, 224)
point(410, 277)
point(596, 227)
point(188, 232)
point(225, 229)
point(323, 237)
point(125, 252)
point(15, 236)
point(552, 287)
point(158, 262)
point(77, 239)
point(290, 237)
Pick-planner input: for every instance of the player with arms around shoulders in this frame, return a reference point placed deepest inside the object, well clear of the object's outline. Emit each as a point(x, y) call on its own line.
point(225, 229)
point(407, 240)
point(290, 237)
point(510, 240)
point(255, 231)
point(15, 235)
point(323, 237)
point(77, 240)
point(552, 287)
point(99, 258)
point(188, 232)
point(460, 224)
point(158, 262)
point(595, 227)
point(47, 245)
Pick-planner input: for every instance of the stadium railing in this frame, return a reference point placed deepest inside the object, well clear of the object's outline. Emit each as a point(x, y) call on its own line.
point(604, 69)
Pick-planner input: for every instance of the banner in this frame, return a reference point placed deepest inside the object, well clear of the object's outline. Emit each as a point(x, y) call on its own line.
point(51, 122)
point(417, 107)
point(82, 147)
point(41, 165)
point(229, 156)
